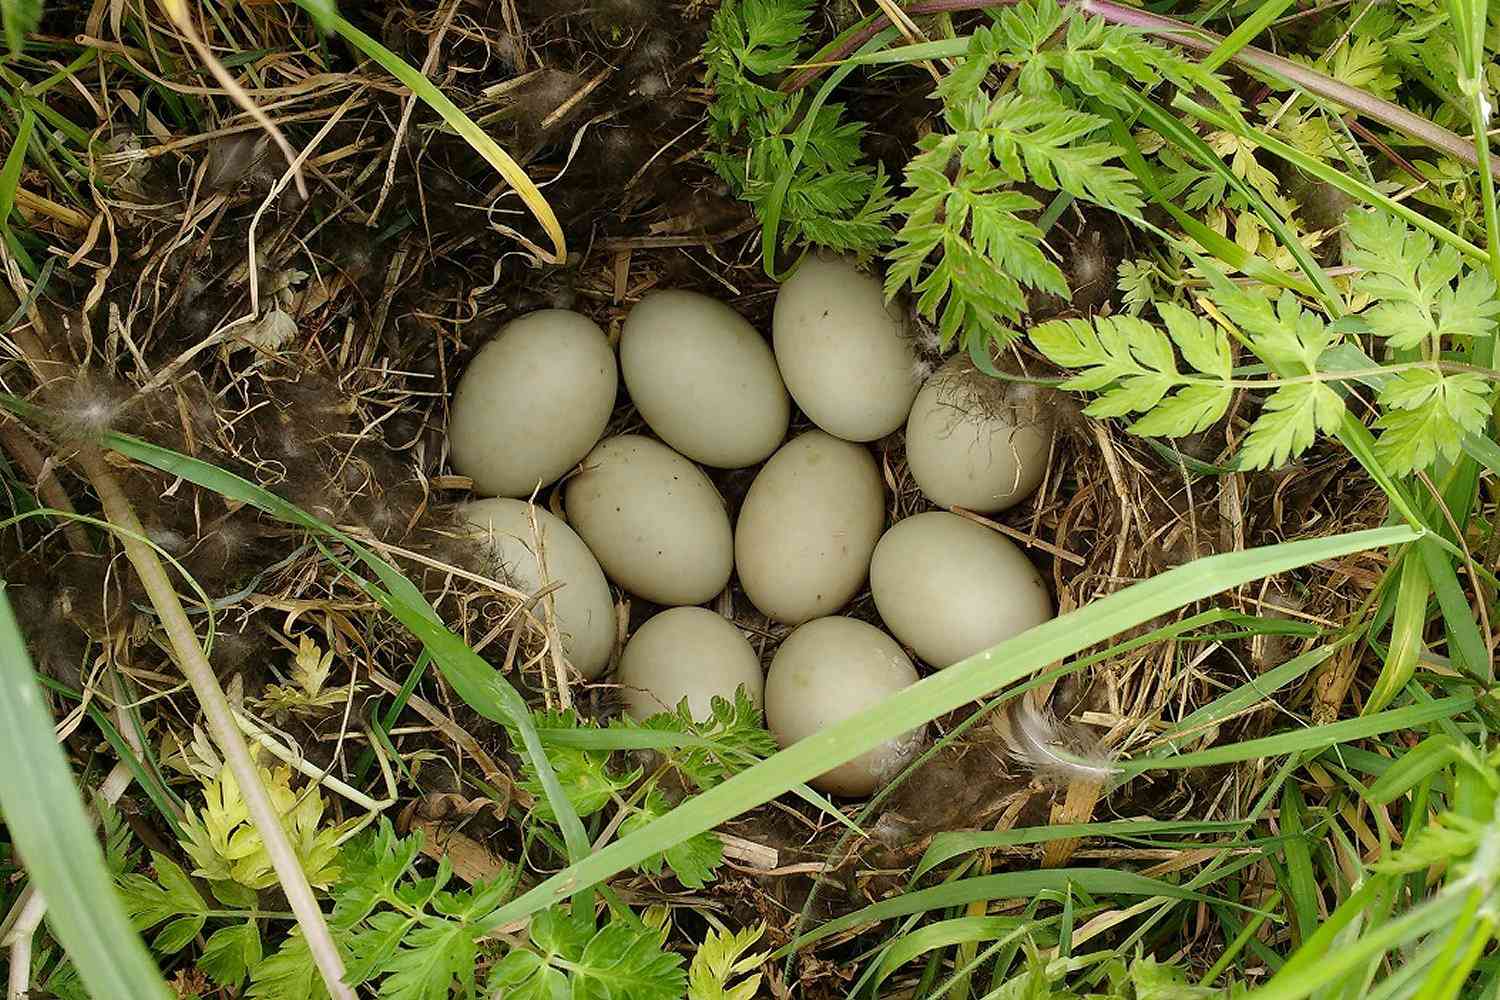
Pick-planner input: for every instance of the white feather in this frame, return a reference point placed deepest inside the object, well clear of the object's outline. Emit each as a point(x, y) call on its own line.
point(1054, 751)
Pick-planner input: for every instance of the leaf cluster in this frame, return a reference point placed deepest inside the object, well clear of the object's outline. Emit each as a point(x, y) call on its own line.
point(171, 901)
point(412, 934)
point(308, 693)
point(967, 248)
point(225, 845)
point(1418, 298)
point(800, 166)
point(712, 749)
point(567, 955)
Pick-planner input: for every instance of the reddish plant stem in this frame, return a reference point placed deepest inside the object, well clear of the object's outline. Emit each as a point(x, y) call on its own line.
point(1194, 40)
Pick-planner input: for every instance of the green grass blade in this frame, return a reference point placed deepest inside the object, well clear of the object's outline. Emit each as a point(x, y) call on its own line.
point(943, 934)
point(948, 845)
point(1243, 35)
point(44, 815)
point(10, 172)
point(1007, 885)
point(1407, 627)
point(1247, 695)
point(971, 679)
point(1466, 646)
point(1311, 738)
point(1300, 979)
point(1302, 883)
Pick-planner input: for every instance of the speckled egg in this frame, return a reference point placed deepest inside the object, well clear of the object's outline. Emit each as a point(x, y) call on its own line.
point(844, 353)
point(532, 403)
point(583, 606)
point(653, 520)
point(703, 379)
point(807, 527)
point(950, 588)
point(689, 653)
point(826, 671)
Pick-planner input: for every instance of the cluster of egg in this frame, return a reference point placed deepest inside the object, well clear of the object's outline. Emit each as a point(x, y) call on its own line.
point(535, 402)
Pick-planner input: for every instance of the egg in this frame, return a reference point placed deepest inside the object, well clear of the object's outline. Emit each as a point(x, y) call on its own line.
point(703, 379)
point(950, 588)
point(689, 653)
point(532, 403)
point(826, 671)
point(843, 351)
point(807, 527)
point(653, 520)
point(583, 606)
point(975, 441)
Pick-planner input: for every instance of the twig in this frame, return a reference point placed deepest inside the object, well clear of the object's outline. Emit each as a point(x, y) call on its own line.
point(220, 718)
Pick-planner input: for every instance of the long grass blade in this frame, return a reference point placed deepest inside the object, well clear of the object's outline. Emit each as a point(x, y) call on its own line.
point(943, 692)
point(52, 833)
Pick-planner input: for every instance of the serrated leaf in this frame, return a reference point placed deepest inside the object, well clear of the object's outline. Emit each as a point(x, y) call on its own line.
point(694, 861)
point(1187, 411)
point(731, 738)
point(1204, 344)
point(584, 775)
point(569, 958)
point(288, 973)
point(177, 934)
point(372, 866)
point(622, 961)
point(721, 957)
point(230, 953)
point(1289, 423)
point(1426, 415)
point(373, 946)
point(431, 958)
point(169, 895)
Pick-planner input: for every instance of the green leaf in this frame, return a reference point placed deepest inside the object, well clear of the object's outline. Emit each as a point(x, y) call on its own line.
point(372, 864)
point(694, 860)
point(1447, 839)
point(1186, 411)
point(1427, 415)
point(721, 957)
point(176, 934)
point(622, 961)
point(730, 739)
point(171, 894)
point(230, 953)
point(431, 958)
point(1411, 281)
point(288, 973)
point(583, 774)
point(1288, 424)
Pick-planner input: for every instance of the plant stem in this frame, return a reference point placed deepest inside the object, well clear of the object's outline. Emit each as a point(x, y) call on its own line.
point(1196, 40)
point(220, 718)
point(200, 675)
